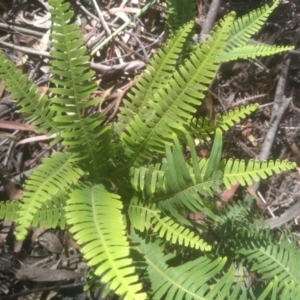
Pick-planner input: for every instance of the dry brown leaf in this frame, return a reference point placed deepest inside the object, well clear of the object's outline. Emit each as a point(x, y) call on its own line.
point(247, 129)
point(228, 194)
point(51, 242)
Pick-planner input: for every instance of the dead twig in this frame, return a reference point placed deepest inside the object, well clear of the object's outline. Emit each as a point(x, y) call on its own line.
point(210, 18)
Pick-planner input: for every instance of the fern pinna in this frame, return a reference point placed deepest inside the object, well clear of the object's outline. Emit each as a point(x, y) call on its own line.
point(125, 190)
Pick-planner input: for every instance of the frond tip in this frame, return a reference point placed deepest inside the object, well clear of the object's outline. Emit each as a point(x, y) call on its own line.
point(237, 171)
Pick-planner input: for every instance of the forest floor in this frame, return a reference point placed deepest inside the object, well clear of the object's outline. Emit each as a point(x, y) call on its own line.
point(273, 82)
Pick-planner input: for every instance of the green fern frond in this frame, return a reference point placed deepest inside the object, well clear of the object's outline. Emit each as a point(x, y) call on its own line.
point(9, 211)
point(291, 291)
point(73, 86)
point(35, 106)
point(152, 180)
point(204, 128)
point(225, 121)
point(252, 51)
point(173, 105)
point(186, 186)
point(143, 217)
point(237, 211)
point(213, 162)
point(178, 234)
point(55, 175)
point(237, 171)
point(243, 28)
point(147, 179)
point(179, 14)
point(96, 221)
point(190, 280)
point(157, 73)
point(140, 215)
point(270, 260)
point(52, 213)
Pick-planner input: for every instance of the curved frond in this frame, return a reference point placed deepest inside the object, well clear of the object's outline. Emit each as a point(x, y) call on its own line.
point(143, 217)
point(170, 230)
point(83, 135)
point(237, 170)
point(225, 121)
point(95, 219)
point(159, 70)
point(246, 26)
point(54, 175)
point(191, 280)
point(173, 105)
point(270, 260)
point(252, 51)
point(33, 104)
point(204, 128)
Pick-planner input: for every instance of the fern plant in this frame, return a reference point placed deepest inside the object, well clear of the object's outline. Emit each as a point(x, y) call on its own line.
point(124, 189)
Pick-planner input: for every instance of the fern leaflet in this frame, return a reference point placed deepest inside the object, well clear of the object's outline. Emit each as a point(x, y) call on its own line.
point(96, 221)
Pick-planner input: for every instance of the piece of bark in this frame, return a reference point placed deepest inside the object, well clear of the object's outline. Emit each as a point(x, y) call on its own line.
point(44, 275)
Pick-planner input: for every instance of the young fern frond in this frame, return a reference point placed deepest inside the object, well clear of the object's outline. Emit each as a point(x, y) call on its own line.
point(143, 217)
point(173, 105)
point(96, 221)
point(152, 180)
point(147, 179)
point(237, 170)
point(204, 128)
point(31, 101)
point(177, 184)
point(187, 188)
point(55, 175)
point(246, 26)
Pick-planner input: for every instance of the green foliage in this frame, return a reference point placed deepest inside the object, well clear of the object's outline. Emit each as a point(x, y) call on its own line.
point(125, 189)
point(236, 170)
point(100, 226)
point(179, 13)
point(246, 26)
point(204, 128)
point(57, 173)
